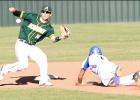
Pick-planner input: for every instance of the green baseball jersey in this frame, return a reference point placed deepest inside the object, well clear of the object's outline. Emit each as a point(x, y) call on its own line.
point(32, 30)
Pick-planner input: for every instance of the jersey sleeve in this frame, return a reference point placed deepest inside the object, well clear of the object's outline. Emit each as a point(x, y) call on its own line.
point(85, 64)
point(28, 16)
point(50, 32)
point(47, 34)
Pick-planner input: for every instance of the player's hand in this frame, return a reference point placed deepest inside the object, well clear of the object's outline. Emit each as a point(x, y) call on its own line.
point(77, 83)
point(12, 9)
point(65, 32)
point(80, 84)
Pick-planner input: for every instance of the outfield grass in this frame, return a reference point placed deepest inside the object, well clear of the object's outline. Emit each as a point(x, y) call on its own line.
point(58, 94)
point(118, 41)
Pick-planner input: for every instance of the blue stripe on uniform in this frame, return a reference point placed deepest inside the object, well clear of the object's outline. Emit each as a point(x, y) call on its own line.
point(86, 65)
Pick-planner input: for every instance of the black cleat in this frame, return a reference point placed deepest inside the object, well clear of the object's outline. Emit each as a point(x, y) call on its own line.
point(136, 76)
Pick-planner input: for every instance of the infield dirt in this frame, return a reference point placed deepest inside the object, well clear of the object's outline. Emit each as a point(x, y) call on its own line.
point(68, 72)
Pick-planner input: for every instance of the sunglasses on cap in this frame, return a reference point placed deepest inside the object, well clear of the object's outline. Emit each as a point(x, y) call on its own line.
point(47, 12)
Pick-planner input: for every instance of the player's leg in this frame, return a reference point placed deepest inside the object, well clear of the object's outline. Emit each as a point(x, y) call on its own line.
point(22, 62)
point(125, 80)
point(130, 79)
point(41, 59)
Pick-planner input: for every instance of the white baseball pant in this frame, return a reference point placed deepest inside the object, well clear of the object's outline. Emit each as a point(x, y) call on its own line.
point(23, 52)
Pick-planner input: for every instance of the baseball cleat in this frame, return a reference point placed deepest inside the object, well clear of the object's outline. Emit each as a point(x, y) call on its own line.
point(46, 84)
point(37, 78)
point(136, 76)
point(55, 76)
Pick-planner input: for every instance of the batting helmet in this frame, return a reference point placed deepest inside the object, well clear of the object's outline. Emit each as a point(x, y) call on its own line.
point(46, 8)
point(95, 50)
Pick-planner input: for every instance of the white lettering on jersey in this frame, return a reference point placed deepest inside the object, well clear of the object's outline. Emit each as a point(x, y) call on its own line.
point(38, 36)
point(36, 28)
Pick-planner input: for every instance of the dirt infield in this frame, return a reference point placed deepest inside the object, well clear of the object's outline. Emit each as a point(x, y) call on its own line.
point(68, 72)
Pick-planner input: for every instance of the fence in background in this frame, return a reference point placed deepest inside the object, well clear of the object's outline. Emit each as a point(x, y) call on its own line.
point(76, 11)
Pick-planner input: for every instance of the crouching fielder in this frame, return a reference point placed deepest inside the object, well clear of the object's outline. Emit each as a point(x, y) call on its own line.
point(107, 71)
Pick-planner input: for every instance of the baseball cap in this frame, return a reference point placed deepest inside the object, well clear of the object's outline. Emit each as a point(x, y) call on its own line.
point(46, 8)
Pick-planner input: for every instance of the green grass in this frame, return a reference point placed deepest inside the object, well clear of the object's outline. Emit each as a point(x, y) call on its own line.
point(119, 41)
point(58, 94)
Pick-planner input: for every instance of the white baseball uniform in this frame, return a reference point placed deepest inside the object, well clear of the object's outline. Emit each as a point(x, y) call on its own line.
point(105, 70)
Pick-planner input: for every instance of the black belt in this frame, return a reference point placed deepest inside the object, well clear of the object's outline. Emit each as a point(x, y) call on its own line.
point(24, 41)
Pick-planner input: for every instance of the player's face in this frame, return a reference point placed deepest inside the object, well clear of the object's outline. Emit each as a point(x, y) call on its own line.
point(45, 15)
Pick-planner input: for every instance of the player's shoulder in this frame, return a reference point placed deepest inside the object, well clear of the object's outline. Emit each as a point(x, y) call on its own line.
point(34, 14)
point(105, 58)
point(49, 26)
point(30, 14)
point(94, 56)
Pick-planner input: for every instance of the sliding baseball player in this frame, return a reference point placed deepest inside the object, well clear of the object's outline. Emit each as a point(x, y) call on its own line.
point(108, 72)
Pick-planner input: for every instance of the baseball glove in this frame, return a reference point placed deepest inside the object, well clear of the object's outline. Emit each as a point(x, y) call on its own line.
point(64, 31)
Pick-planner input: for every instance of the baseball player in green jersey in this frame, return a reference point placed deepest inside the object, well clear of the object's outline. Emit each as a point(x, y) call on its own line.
point(34, 28)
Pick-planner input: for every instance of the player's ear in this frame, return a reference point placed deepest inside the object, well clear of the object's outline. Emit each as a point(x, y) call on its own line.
point(51, 14)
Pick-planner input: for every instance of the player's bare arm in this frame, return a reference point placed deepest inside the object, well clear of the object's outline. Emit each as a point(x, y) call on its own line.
point(80, 77)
